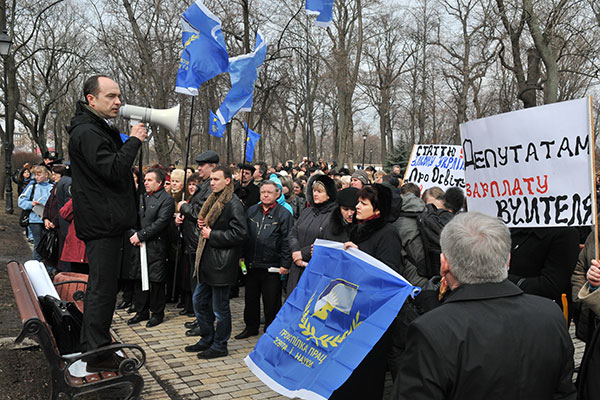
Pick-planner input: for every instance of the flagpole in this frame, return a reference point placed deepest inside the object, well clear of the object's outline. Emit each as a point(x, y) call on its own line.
point(307, 95)
point(187, 149)
point(244, 161)
point(187, 157)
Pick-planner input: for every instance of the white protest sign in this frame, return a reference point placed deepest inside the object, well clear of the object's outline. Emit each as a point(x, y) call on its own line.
point(532, 167)
point(439, 165)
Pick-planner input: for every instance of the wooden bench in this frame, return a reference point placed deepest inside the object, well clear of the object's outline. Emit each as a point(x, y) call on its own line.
point(62, 381)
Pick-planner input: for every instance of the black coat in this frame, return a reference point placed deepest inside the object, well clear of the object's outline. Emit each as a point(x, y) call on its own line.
point(249, 195)
point(155, 229)
point(63, 194)
point(220, 259)
point(380, 239)
point(190, 212)
point(488, 341)
point(104, 199)
point(337, 229)
point(542, 261)
point(310, 225)
point(267, 244)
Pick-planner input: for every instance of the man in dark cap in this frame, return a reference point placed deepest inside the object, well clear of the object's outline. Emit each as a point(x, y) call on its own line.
point(245, 189)
point(188, 213)
point(50, 160)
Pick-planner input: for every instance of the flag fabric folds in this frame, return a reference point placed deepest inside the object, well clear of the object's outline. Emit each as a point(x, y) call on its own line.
point(216, 128)
point(204, 53)
point(323, 9)
point(251, 141)
point(343, 304)
point(243, 72)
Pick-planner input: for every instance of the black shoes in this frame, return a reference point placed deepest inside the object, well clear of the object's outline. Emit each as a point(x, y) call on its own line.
point(110, 363)
point(195, 348)
point(131, 309)
point(154, 321)
point(212, 353)
point(186, 312)
point(193, 332)
point(191, 324)
point(123, 305)
point(246, 334)
point(137, 318)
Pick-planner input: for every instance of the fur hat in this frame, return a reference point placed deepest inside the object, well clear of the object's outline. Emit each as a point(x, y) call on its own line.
point(347, 197)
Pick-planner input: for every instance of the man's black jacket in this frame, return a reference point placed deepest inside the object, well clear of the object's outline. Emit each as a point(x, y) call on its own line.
point(104, 199)
point(267, 244)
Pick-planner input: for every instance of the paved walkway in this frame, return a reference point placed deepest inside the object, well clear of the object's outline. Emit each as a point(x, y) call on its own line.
point(171, 373)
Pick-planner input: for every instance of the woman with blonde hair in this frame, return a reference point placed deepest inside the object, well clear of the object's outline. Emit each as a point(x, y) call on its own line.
point(176, 190)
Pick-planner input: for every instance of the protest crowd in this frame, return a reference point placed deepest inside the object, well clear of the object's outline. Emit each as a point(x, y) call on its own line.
point(489, 321)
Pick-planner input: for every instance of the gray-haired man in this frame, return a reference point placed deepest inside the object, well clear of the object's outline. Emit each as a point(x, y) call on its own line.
point(488, 340)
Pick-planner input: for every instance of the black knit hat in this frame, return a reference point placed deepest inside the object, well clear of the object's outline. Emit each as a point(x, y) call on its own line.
point(347, 197)
point(384, 195)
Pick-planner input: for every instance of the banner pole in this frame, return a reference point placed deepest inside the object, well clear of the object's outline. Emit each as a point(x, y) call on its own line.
point(187, 157)
point(593, 171)
point(249, 120)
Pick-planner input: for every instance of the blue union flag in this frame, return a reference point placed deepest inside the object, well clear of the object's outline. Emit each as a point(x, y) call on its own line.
point(343, 304)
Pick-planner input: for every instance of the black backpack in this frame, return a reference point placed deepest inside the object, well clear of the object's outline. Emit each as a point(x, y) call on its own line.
point(430, 223)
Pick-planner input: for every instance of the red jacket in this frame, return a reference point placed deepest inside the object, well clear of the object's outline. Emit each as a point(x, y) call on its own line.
point(74, 249)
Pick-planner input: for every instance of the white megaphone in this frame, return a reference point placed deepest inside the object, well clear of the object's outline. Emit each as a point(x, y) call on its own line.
point(167, 118)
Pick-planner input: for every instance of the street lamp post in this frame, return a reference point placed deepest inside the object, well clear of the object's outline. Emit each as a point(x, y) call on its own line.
point(364, 146)
point(5, 44)
point(370, 156)
point(54, 114)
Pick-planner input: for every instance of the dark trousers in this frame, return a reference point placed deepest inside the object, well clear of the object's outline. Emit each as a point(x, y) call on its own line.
point(152, 300)
point(127, 286)
point(105, 256)
point(260, 281)
point(219, 295)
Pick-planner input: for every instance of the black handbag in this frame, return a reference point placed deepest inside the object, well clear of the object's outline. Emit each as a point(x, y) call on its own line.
point(48, 245)
point(65, 320)
point(24, 218)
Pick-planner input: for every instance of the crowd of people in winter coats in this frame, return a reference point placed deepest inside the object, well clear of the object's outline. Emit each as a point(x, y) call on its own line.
point(375, 211)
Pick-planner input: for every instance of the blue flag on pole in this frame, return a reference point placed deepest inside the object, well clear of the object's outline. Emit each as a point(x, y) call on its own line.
point(204, 53)
point(250, 143)
point(216, 128)
point(343, 304)
point(243, 71)
point(323, 9)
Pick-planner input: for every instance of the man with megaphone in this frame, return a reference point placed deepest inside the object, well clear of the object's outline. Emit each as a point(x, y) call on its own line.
point(104, 205)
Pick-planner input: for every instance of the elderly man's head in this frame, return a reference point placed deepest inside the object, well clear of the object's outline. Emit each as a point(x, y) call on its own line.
point(475, 249)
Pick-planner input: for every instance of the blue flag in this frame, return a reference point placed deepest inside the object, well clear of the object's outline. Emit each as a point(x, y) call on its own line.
point(250, 143)
point(216, 128)
point(343, 304)
point(204, 53)
point(323, 9)
point(243, 71)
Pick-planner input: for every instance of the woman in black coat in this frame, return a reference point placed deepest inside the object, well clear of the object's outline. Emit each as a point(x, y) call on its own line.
point(311, 225)
point(341, 220)
point(378, 238)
